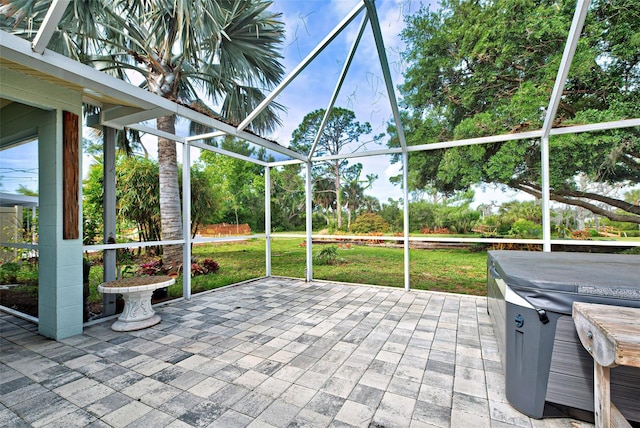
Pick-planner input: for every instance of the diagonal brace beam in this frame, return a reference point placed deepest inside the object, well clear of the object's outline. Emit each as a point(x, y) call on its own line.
point(336, 91)
point(310, 57)
point(384, 63)
point(51, 20)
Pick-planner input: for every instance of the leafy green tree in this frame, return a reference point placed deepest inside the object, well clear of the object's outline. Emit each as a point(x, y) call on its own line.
point(341, 131)
point(137, 198)
point(287, 198)
point(393, 214)
point(369, 223)
point(485, 68)
point(226, 50)
point(240, 183)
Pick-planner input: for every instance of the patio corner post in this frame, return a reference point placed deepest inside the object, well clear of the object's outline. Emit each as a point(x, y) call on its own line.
point(109, 215)
point(405, 196)
point(309, 219)
point(186, 220)
point(546, 195)
point(267, 219)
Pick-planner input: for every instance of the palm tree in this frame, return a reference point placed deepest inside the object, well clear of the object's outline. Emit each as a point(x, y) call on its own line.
point(187, 51)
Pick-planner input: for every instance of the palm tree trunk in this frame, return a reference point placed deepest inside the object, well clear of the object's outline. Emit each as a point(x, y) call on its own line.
point(170, 212)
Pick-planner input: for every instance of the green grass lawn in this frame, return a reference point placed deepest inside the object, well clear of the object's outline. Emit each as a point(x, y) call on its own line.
point(457, 271)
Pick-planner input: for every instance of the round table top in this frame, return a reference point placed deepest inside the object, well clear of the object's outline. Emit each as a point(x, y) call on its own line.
point(136, 283)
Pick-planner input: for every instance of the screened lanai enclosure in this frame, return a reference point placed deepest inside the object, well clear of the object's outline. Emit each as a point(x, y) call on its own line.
point(50, 97)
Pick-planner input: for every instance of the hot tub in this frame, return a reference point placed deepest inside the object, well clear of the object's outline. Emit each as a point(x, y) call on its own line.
point(547, 371)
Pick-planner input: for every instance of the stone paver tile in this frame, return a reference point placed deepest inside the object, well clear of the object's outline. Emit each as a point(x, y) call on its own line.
point(504, 412)
point(252, 404)
point(180, 404)
point(231, 419)
point(312, 379)
point(79, 418)
point(203, 414)
point(251, 379)
point(83, 391)
point(10, 419)
point(461, 419)
point(29, 390)
point(309, 418)
point(279, 413)
point(438, 396)
point(298, 395)
point(405, 387)
point(325, 404)
point(154, 419)
point(339, 387)
point(367, 395)
point(207, 387)
point(355, 414)
point(470, 381)
point(471, 404)
point(108, 404)
point(394, 411)
point(229, 395)
point(288, 373)
point(273, 387)
point(126, 414)
point(375, 379)
point(44, 409)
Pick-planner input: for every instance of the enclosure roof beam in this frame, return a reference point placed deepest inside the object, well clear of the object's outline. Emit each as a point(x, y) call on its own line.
point(205, 146)
point(565, 64)
point(49, 24)
point(336, 91)
point(362, 154)
point(285, 162)
point(200, 145)
point(302, 65)
point(384, 63)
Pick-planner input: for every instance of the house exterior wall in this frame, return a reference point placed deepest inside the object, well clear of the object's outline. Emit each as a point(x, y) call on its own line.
point(60, 305)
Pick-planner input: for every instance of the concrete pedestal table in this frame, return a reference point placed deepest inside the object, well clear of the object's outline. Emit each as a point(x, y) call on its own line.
point(136, 292)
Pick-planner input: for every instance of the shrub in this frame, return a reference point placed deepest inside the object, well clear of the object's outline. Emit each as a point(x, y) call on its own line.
point(9, 273)
point(526, 229)
point(328, 256)
point(210, 266)
point(151, 268)
point(369, 222)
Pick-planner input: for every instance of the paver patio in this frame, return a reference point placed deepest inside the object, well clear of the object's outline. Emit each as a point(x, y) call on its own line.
point(272, 352)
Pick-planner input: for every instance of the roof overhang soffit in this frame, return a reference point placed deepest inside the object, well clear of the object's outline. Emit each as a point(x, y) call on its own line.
point(135, 103)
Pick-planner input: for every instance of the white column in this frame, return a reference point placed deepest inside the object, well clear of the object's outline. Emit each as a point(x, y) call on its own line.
point(309, 194)
point(405, 196)
point(267, 219)
point(186, 220)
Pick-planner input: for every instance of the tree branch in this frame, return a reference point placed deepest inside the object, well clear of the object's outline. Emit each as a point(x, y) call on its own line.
point(569, 197)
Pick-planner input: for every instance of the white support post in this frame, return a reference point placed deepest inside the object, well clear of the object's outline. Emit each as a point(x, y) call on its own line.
point(405, 196)
point(546, 195)
point(579, 17)
point(309, 195)
point(267, 219)
point(186, 220)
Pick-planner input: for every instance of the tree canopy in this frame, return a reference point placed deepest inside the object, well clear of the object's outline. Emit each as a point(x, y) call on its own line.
point(341, 130)
point(480, 68)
